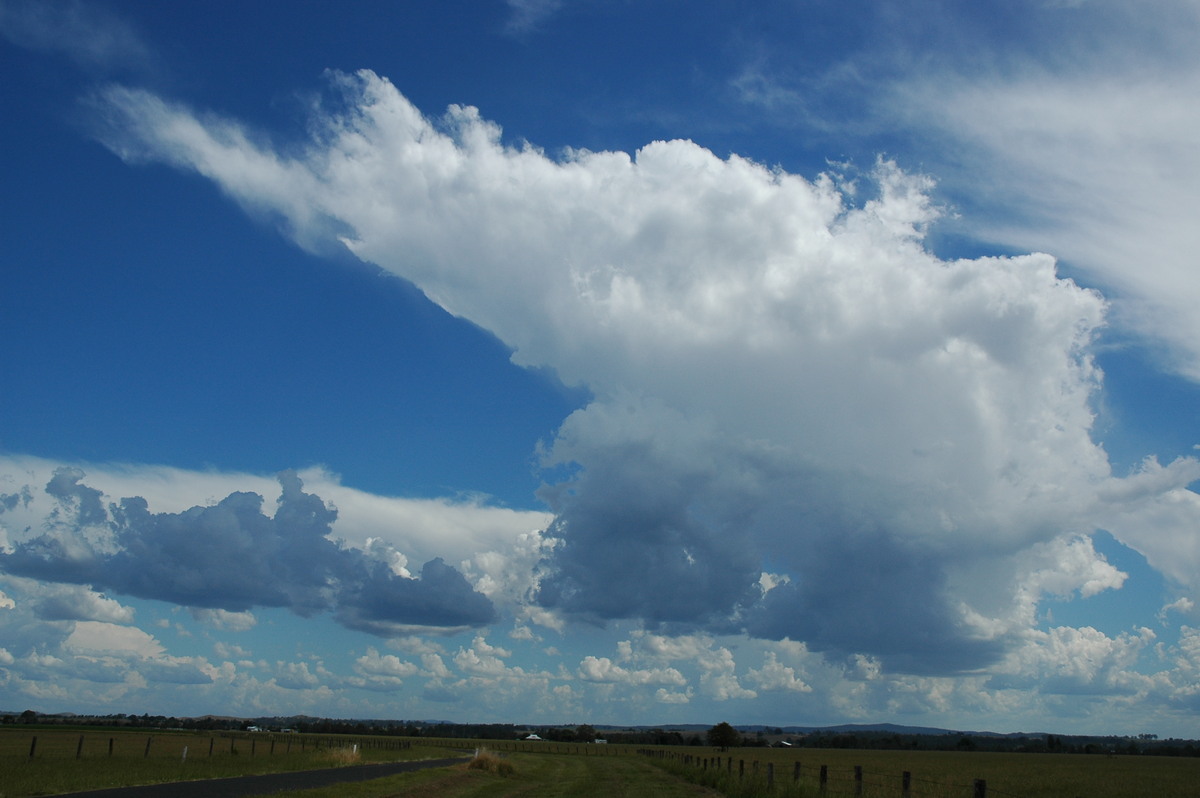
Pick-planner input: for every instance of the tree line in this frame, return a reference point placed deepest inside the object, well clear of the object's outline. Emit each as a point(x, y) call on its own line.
point(722, 735)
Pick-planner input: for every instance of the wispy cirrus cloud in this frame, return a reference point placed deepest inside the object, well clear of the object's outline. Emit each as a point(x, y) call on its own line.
point(84, 32)
point(527, 15)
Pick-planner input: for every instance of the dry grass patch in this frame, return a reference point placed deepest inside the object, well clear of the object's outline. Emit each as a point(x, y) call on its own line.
point(342, 756)
point(490, 763)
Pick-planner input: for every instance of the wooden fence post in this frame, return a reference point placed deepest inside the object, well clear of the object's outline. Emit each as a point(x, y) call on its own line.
point(148, 741)
point(32, 746)
point(210, 745)
point(79, 748)
point(110, 745)
point(980, 788)
point(770, 775)
point(823, 780)
point(858, 779)
point(905, 784)
point(796, 771)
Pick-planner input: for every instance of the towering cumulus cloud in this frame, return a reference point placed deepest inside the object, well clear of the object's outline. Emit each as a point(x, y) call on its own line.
point(804, 424)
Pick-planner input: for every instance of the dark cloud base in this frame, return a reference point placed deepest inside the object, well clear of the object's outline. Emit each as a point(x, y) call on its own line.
point(232, 556)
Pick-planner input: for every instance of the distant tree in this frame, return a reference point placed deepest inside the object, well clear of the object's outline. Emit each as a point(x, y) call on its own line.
point(29, 716)
point(585, 733)
point(723, 736)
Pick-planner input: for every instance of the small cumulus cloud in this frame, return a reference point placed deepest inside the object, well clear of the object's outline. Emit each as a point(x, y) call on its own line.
point(230, 651)
point(177, 670)
point(296, 676)
point(384, 672)
point(76, 603)
point(98, 636)
point(482, 658)
point(774, 676)
point(602, 669)
point(1083, 661)
point(224, 619)
point(665, 696)
point(1182, 605)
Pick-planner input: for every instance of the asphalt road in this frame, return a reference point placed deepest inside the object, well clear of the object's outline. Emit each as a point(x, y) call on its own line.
point(268, 783)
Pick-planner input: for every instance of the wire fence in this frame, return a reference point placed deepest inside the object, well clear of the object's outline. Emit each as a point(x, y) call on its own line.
point(741, 778)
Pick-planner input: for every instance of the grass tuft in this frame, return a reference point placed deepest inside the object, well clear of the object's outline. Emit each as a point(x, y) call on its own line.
point(490, 763)
point(343, 756)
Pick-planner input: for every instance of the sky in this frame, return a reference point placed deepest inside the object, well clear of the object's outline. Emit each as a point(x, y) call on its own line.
point(585, 361)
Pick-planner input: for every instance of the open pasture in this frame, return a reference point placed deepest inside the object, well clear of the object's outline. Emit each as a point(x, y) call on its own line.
point(40, 761)
point(60, 764)
point(533, 775)
point(935, 774)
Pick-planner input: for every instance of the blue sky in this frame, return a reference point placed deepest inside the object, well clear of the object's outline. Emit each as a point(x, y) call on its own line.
point(602, 362)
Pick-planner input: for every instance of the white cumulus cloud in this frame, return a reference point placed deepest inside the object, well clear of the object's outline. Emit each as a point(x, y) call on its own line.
point(777, 369)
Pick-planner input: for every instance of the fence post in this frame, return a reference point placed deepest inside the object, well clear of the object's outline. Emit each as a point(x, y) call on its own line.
point(770, 775)
point(741, 766)
point(32, 746)
point(148, 741)
point(824, 778)
point(905, 784)
point(110, 744)
point(79, 748)
point(858, 779)
point(980, 788)
point(253, 742)
point(796, 771)
point(210, 745)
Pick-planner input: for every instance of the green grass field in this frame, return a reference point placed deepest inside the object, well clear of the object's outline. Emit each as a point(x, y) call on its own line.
point(944, 774)
point(533, 776)
point(575, 771)
point(61, 764)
